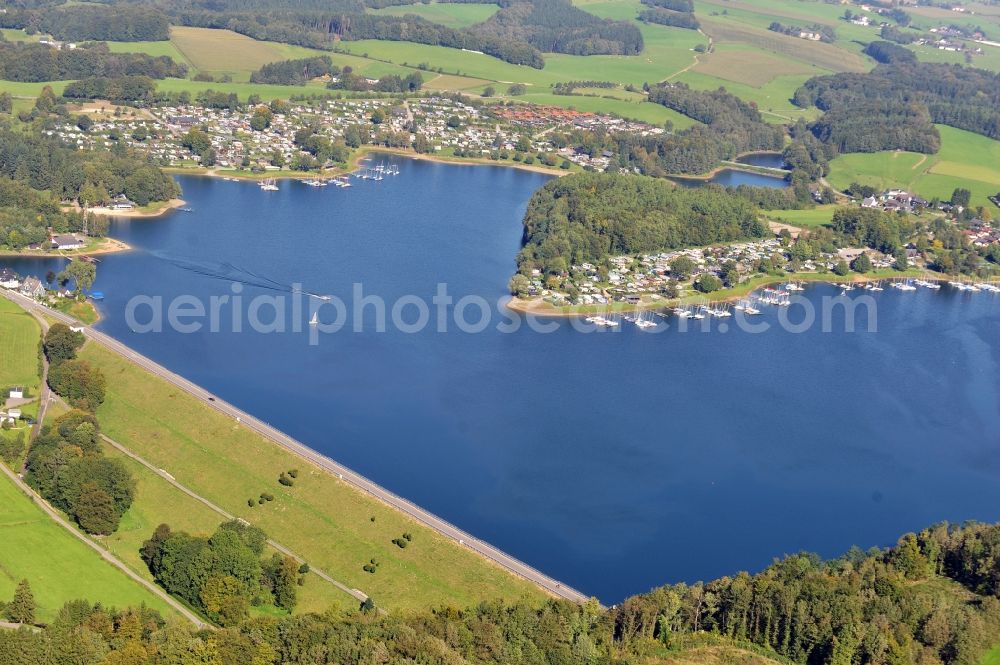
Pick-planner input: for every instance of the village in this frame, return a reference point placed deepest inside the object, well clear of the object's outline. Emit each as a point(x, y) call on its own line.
point(434, 124)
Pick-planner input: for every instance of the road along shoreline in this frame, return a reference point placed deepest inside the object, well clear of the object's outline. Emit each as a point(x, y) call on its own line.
point(352, 478)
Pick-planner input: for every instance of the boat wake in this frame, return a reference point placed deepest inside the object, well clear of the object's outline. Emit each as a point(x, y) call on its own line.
point(229, 272)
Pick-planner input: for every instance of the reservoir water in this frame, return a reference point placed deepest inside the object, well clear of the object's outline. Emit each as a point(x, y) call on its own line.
point(735, 178)
point(773, 160)
point(615, 461)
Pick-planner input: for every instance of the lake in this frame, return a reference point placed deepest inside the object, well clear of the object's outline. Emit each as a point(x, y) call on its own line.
point(772, 160)
point(735, 178)
point(614, 461)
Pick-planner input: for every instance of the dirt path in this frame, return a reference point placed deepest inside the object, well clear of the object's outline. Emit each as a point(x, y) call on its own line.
point(697, 61)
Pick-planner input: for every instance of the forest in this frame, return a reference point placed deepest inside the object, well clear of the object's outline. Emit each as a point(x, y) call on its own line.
point(589, 216)
point(32, 62)
point(912, 93)
point(294, 72)
point(90, 177)
point(671, 18)
point(558, 26)
point(929, 600)
point(120, 90)
point(91, 22)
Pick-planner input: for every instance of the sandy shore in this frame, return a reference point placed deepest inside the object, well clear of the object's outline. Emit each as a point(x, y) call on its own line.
point(138, 214)
point(107, 246)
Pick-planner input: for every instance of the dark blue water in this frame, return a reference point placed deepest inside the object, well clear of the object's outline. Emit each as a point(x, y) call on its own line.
point(773, 160)
point(735, 178)
point(614, 461)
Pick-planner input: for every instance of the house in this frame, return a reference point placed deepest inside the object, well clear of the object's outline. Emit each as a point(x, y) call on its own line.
point(121, 202)
point(9, 279)
point(71, 241)
point(32, 288)
point(16, 393)
point(14, 413)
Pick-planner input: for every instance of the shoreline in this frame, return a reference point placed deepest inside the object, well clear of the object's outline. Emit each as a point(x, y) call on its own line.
point(538, 307)
point(352, 165)
point(166, 207)
point(107, 246)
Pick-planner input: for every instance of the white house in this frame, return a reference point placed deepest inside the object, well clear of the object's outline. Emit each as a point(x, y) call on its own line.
point(8, 279)
point(16, 393)
point(71, 241)
point(32, 288)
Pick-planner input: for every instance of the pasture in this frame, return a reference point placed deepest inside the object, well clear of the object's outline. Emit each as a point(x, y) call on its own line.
point(450, 14)
point(807, 218)
point(773, 99)
point(59, 567)
point(965, 160)
point(749, 65)
point(19, 337)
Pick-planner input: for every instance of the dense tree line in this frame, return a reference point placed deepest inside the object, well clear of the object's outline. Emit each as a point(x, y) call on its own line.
point(685, 6)
point(89, 177)
point(872, 227)
point(929, 600)
point(221, 575)
point(91, 22)
point(893, 34)
point(877, 125)
point(888, 53)
point(117, 90)
point(587, 217)
point(38, 62)
point(294, 72)
point(559, 26)
point(670, 18)
point(827, 34)
point(392, 83)
point(26, 215)
point(962, 97)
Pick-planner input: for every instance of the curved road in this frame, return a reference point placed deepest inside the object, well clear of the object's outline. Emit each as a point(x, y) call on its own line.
point(372, 488)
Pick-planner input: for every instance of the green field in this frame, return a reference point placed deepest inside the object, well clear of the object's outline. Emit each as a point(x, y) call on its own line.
point(774, 99)
point(19, 337)
point(59, 567)
point(808, 218)
point(158, 502)
point(322, 519)
point(992, 657)
point(155, 49)
point(965, 160)
point(743, 63)
point(446, 13)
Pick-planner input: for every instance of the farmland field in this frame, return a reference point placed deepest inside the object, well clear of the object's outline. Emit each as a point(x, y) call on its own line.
point(155, 49)
point(19, 337)
point(450, 14)
point(773, 99)
point(222, 51)
point(746, 64)
point(807, 218)
point(965, 160)
point(59, 567)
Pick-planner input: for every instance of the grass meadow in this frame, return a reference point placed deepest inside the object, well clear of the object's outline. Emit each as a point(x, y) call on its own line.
point(59, 567)
point(965, 160)
point(19, 337)
point(159, 502)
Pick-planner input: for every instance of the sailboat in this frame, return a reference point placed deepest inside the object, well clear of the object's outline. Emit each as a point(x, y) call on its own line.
point(268, 185)
point(314, 320)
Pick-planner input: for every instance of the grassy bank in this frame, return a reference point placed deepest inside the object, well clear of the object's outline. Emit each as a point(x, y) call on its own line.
point(19, 337)
point(158, 501)
point(332, 525)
